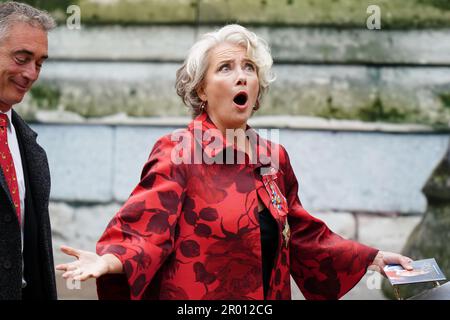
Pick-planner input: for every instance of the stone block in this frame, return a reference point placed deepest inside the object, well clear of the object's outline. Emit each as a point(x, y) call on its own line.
point(403, 95)
point(78, 227)
point(386, 233)
point(346, 171)
point(133, 146)
point(342, 223)
point(80, 160)
point(128, 43)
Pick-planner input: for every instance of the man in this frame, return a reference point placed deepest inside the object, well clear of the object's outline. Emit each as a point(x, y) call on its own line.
point(26, 259)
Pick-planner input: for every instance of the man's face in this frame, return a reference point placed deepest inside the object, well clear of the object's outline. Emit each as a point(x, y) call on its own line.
point(22, 52)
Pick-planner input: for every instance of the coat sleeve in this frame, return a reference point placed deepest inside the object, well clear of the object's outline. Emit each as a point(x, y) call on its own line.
point(142, 233)
point(323, 264)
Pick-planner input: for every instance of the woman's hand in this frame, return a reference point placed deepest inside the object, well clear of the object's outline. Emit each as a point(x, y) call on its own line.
point(88, 264)
point(384, 258)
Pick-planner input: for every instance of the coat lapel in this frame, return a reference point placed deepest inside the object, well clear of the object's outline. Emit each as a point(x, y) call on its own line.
point(4, 186)
point(35, 160)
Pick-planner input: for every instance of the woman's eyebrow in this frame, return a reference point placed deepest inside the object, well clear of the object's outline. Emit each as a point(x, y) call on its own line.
point(225, 61)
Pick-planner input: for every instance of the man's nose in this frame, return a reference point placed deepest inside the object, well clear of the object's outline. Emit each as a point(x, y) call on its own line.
point(31, 72)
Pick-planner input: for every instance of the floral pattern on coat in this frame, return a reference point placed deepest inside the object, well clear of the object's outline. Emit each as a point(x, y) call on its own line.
point(191, 231)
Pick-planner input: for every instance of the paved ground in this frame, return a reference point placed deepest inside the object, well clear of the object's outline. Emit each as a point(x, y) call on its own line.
point(69, 291)
point(87, 291)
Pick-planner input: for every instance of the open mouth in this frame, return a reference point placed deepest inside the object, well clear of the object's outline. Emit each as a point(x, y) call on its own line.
point(240, 99)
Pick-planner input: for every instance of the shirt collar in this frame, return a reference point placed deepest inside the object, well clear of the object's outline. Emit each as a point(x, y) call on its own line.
point(211, 148)
point(9, 115)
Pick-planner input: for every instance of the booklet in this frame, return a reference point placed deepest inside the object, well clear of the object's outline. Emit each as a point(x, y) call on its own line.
point(424, 271)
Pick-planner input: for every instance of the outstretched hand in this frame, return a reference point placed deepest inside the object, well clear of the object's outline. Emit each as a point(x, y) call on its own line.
point(88, 265)
point(384, 258)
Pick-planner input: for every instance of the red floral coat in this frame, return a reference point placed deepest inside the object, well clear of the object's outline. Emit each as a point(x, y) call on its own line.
point(191, 231)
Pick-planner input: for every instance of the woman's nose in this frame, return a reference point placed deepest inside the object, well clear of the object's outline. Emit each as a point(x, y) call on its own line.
point(242, 78)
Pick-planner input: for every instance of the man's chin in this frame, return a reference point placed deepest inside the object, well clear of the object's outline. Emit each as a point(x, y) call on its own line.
point(6, 105)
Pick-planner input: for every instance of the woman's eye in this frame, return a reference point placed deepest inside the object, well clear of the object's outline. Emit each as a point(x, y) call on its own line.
point(225, 67)
point(250, 67)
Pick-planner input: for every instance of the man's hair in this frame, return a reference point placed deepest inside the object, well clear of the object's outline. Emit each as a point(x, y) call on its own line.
point(12, 12)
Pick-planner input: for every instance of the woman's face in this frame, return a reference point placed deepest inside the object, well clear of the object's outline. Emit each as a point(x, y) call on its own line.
point(230, 86)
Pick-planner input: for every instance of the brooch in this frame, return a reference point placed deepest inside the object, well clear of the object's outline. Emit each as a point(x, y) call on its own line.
point(279, 202)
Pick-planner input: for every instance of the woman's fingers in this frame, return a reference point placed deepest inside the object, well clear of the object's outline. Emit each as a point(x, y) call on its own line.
point(71, 251)
point(69, 274)
point(395, 258)
point(406, 262)
point(82, 277)
point(68, 266)
point(61, 267)
point(75, 273)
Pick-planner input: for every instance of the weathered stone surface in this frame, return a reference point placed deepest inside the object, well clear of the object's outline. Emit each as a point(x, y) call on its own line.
point(350, 171)
point(431, 237)
point(411, 95)
point(388, 233)
point(99, 89)
point(357, 45)
point(131, 157)
point(336, 170)
point(78, 226)
point(149, 43)
point(342, 223)
point(288, 44)
point(80, 159)
point(395, 13)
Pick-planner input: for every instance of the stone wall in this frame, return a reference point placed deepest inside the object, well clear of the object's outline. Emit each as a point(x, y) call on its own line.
point(350, 74)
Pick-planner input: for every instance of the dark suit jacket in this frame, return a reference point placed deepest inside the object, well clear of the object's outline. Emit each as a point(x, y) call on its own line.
point(37, 255)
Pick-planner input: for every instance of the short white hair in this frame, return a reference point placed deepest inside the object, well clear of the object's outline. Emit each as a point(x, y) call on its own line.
point(12, 12)
point(191, 74)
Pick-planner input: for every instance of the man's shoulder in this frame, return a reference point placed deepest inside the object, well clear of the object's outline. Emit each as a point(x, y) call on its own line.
point(21, 126)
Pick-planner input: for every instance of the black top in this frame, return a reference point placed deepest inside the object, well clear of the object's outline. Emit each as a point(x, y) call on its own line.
point(269, 244)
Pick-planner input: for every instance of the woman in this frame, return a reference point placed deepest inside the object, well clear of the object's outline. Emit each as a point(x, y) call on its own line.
point(230, 226)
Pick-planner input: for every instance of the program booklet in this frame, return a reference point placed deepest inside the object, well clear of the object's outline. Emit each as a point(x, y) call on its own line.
point(424, 271)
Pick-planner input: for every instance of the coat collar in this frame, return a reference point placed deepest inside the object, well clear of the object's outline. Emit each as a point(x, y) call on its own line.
point(214, 145)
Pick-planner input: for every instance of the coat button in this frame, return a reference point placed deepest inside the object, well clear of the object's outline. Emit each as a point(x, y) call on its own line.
point(7, 218)
point(7, 264)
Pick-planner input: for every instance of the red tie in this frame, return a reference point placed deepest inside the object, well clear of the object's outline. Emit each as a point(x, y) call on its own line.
point(7, 164)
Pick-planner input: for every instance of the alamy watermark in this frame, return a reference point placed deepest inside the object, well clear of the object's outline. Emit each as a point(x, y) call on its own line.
point(72, 284)
point(73, 22)
point(374, 280)
point(205, 147)
point(373, 22)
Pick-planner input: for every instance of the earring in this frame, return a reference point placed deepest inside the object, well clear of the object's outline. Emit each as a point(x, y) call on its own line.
point(203, 106)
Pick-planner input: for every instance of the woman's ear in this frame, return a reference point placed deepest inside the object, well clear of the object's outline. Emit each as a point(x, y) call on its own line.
point(201, 93)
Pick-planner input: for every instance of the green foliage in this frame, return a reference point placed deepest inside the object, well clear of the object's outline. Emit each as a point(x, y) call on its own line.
point(441, 4)
point(51, 5)
point(45, 96)
point(445, 98)
point(338, 13)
